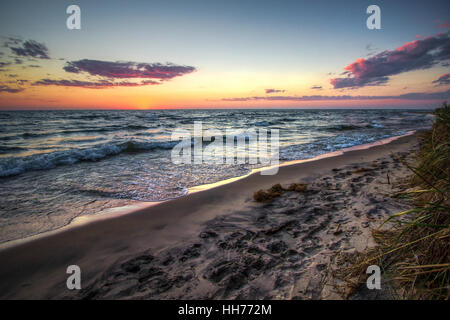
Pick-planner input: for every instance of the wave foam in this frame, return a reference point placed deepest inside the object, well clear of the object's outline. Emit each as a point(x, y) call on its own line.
point(14, 166)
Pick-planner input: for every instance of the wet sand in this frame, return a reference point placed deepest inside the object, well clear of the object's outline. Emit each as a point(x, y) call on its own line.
point(219, 243)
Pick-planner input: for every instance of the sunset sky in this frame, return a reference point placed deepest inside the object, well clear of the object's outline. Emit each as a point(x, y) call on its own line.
point(223, 54)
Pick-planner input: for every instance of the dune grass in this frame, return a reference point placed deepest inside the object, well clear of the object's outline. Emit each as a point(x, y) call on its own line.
point(413, 253)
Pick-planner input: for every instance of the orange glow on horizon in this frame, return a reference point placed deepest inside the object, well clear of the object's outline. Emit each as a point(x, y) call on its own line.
point(208, 90)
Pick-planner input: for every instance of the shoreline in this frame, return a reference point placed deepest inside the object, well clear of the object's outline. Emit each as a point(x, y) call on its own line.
point(36, 268)
point(115, 212)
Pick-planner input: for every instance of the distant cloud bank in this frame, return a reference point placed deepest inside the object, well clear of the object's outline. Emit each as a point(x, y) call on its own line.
point(443, 95)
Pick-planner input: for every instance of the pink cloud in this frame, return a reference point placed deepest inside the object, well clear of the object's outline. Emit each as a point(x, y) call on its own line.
point(414, 55)
point(443, 80)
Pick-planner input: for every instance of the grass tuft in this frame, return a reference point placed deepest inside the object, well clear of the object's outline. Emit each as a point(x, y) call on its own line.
point(414, 252)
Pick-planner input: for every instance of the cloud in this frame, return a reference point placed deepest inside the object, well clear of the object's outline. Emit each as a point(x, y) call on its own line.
point(3, 65)
point(101, 84)
point(339, 83)
point(109, 72)
point(443, 95)
point(443, 80)
point(268, 91)
point(18, 81)
point(444, 25)
point(128, 70)
point(376, 70)
point(316, 87)
point(21, 81)
point(31, 48)
point(4, 88)
point(370, 49)
point(9, 41)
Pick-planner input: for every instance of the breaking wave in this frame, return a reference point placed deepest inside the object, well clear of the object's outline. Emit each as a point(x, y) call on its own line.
point(17, 165)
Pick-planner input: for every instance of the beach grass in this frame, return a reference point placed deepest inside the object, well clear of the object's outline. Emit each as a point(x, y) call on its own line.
point(413, 251)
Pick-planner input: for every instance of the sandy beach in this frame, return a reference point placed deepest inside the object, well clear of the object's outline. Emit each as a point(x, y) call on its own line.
point(219, 243)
